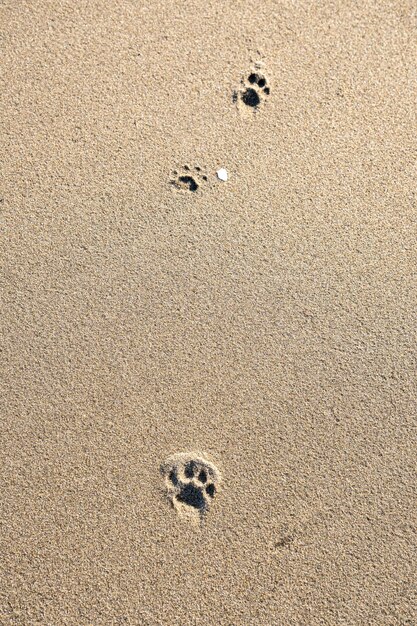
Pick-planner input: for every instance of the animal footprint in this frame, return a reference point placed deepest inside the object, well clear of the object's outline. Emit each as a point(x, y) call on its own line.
point(188, 179)
point(191, 483)
point(254, 90)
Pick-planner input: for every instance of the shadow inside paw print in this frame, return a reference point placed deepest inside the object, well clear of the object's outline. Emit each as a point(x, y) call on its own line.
point(191, 483)
point(188, 179)
point(255, 89)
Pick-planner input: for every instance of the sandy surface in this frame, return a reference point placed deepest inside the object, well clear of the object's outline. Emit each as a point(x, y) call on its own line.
point(264, 324)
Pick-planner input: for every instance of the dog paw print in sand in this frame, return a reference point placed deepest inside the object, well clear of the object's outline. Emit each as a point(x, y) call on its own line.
point(254, 90)
point(191, 482)
point(188, 179)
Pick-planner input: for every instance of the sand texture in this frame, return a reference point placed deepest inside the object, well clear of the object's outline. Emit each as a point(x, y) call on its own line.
point(262, 327)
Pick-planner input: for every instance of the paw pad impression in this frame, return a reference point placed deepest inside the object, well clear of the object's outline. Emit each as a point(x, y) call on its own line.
point(254, 90)
point(191, 483)
point(187, 178)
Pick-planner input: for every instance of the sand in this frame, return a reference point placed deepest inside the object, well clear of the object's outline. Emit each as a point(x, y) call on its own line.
point(264, 324)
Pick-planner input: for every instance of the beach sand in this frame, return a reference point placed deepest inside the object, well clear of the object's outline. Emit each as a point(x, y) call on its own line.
point(264, 325)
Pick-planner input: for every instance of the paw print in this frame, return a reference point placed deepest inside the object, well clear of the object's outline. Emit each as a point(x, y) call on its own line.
point(191, 483)
point(188, 179)
point(255, 89)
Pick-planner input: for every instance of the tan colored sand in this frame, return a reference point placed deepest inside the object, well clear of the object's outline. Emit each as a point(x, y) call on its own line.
point(266, 322)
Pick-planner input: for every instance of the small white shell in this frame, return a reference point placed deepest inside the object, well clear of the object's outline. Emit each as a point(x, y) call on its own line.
point(222, 174)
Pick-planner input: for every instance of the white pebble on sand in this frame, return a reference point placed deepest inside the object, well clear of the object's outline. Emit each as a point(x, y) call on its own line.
point(222, 174)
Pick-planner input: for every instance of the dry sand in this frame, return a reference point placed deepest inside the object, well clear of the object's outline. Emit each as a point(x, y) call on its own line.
point(265, 324)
